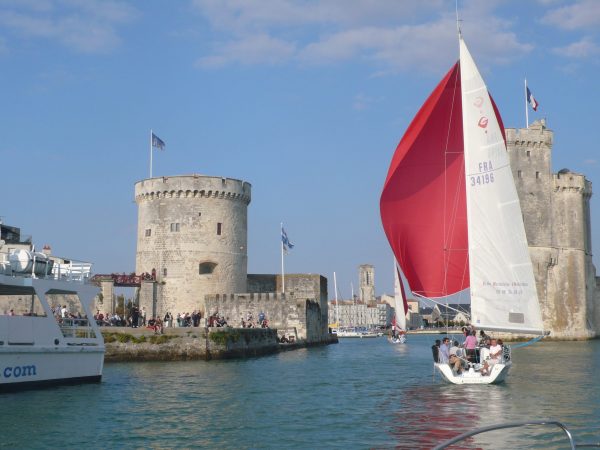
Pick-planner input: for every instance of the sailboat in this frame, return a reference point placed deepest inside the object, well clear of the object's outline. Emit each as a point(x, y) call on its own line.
point(452, 216)
point(400, 310)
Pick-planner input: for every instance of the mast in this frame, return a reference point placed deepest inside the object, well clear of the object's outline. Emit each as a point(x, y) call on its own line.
point(337, 308)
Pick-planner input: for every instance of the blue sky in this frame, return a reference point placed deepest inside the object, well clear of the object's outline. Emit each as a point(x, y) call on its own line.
point(306, 100)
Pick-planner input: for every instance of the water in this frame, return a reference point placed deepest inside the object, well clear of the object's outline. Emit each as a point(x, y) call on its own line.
point(357, 394)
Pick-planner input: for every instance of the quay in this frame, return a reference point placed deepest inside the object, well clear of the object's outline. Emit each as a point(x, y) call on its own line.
point(125, 344)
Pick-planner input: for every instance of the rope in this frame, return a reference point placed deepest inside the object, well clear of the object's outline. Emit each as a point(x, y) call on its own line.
point(525, 344)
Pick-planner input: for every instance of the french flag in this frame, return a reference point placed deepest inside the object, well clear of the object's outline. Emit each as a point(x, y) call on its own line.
point(531, 100)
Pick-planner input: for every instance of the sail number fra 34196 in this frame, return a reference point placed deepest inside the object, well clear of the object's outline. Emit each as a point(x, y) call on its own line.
point(485, 175)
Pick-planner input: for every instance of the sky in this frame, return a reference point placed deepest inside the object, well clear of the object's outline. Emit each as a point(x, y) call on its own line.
point(304, 99)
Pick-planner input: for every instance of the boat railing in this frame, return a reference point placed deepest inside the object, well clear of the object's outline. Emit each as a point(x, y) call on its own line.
point(572, 443)
point(72, 271)
point(77, 328)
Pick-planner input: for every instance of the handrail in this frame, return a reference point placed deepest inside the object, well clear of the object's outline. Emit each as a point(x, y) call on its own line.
point(501, 426)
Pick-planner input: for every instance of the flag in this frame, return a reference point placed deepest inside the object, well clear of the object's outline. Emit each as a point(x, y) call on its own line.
point(531, 100)
point(157, 142)
point(285, 242)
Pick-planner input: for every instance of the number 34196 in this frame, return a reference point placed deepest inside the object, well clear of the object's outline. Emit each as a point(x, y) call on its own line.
point(479, 180)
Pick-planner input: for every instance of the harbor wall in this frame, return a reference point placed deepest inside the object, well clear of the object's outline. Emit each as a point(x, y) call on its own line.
point(141, 344)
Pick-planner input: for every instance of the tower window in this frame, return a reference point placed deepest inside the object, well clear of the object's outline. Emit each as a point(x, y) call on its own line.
point(206, 268)
point(537, 175)
point(165, 272)
point(175, 227)
point(148, 232)
point(528, 153)
point(219, 228)
point(519, 174)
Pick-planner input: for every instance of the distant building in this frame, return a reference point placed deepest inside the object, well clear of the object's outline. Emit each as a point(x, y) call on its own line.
point(366, 280)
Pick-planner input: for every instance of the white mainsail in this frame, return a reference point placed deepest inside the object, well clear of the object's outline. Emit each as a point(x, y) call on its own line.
point(503, 291)
point(399, 302)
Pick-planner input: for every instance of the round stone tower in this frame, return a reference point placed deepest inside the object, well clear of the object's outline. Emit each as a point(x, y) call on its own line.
point(192, 233)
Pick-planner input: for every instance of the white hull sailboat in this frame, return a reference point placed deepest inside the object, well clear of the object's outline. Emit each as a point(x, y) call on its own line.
point(398, 335)
point(451, 213)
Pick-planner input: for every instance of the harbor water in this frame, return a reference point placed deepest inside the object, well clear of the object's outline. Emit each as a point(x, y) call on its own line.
point(358, 394)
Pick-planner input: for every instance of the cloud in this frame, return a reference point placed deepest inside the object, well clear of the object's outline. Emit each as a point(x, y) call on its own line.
point(389, 36)
point(86, 26)
point(234, 15)
point(581, 49)
point(362, 102)
point(261, 49)
point(584, 14)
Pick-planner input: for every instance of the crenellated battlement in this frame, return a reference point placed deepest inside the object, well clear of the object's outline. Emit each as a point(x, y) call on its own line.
point(536, 136)
point(193, 186)
point(566, 181)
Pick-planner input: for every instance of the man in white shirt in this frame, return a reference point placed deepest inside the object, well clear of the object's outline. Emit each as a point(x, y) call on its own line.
point(495, 353)
point(494, 358)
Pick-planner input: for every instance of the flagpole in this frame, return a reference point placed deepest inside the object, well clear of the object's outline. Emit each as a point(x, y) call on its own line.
point(526, 109)
point(282, 267)
point(150, 153)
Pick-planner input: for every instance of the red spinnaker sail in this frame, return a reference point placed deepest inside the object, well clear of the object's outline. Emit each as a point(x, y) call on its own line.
point(423, 205)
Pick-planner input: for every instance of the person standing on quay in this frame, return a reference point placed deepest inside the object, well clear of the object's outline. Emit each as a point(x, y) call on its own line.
point(135, 317)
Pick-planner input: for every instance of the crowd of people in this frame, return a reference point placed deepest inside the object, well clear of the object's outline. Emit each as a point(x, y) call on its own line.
point(138, 318)
point(249, 322)
point(481, 354)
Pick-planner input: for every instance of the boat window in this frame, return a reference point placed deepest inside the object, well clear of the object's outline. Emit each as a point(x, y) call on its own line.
point(20, 301)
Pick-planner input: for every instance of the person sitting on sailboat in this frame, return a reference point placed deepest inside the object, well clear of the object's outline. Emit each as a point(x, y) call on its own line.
point(444, 350)
point(457, 359)
point(494, 357)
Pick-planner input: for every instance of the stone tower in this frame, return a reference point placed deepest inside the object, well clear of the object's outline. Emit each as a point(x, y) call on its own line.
point(192, 233)
point(556, 213)
point(366, 282)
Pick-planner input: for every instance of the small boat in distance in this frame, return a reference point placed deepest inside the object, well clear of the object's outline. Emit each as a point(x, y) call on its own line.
point(451, 213)
point(47, 332)
point(398, 332)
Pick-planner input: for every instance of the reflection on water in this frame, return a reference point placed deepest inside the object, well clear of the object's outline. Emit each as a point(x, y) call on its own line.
point(357, 394)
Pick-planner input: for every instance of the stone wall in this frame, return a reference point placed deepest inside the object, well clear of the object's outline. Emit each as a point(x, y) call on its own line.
point(192, 233)
point(289, 314)
point(141, 344)
point(301, 285)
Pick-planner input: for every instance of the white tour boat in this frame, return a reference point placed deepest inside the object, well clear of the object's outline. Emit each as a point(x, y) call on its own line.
point(451, 212)
point(39, 346)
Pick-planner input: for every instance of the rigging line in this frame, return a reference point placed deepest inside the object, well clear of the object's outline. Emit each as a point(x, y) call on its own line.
point(444, 238)
point(530, 342)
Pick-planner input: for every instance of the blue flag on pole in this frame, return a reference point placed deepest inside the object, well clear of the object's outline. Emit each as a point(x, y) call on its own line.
point(157, 142)
point(285, 241)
